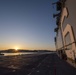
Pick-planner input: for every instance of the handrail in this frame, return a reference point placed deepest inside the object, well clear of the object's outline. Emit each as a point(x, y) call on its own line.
point(66, 45)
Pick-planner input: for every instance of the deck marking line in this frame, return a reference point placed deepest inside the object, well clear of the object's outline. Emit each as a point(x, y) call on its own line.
point(37, 66)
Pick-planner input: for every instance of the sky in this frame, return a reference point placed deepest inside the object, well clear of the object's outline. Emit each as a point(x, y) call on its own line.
point(27, 24)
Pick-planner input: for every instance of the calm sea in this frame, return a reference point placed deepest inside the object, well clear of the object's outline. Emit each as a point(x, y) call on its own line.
point(19, 53)
point(22, 53)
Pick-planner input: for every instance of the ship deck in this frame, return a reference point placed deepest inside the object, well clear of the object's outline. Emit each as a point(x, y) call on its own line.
point(40, 64)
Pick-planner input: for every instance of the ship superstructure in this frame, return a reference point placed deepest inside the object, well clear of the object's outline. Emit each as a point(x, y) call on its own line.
point(65, 40)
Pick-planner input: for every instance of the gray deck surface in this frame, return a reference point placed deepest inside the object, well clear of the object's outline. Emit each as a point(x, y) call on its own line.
point(53, 65)
point(45, 64)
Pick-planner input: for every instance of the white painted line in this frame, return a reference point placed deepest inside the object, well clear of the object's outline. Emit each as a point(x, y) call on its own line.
point(37, 66)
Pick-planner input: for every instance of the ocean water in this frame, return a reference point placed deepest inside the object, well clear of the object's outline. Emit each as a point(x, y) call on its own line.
point(19, 53)
point(23, 53)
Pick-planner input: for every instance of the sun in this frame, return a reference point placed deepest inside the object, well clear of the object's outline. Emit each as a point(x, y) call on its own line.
point(16, 49)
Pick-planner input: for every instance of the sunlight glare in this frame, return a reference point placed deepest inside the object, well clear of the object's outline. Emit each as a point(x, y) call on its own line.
point(16, 49)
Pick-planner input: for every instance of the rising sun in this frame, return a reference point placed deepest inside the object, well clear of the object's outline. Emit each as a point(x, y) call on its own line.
point(16, 49)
